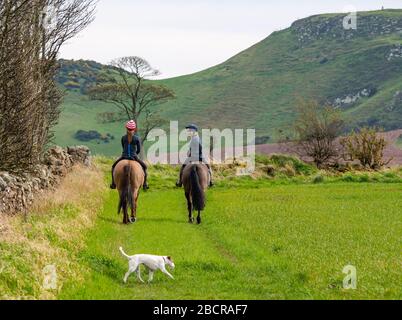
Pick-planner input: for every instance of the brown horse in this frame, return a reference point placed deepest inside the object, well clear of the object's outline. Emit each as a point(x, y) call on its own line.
point(129, 178)
point(195, 182)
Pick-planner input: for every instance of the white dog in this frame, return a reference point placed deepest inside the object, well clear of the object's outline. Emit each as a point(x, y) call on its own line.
point(151, 262)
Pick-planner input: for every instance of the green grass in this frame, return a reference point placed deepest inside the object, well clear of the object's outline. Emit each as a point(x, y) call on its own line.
point(52, 233)
point(260, 239)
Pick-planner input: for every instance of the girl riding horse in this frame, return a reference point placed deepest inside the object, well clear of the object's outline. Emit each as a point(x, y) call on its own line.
point(131, 145)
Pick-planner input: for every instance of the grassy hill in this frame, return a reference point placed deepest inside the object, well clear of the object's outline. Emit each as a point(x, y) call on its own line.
point(358, 71)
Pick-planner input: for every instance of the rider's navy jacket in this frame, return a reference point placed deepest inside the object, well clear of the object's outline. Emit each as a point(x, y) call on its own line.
point(130, 151)
point(195, 152)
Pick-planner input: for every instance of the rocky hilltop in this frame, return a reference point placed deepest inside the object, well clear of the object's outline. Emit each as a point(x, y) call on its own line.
point(332, 26)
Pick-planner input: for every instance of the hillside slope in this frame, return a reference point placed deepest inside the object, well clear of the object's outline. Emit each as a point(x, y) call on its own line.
point(358, 71)
point(314, 58)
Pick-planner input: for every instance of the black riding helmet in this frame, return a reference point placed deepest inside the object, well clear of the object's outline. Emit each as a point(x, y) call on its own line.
point(192, 127)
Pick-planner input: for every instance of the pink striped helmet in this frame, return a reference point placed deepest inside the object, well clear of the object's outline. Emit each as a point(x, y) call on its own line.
point(131, 125)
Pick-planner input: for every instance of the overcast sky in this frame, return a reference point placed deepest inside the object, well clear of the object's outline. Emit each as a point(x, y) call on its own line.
point(184, 36)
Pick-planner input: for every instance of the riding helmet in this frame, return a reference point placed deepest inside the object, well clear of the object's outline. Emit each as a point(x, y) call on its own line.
point(192, 127)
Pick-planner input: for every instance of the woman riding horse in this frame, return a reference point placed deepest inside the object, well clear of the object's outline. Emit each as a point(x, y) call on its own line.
point(195, 175)
point(129, 174)
point(131, 145)
point(194, 154)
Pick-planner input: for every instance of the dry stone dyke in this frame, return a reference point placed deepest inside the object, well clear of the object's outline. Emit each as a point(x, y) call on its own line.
point(18, 190)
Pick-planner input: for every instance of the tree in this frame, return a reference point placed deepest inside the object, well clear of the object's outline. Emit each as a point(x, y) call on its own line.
point(316, 129)
point(366, 146)
point(31, 35)
point(133, 95)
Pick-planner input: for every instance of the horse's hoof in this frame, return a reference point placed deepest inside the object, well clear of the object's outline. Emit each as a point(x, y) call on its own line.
point(191, 220)
point(133, 220)
point(199, 220)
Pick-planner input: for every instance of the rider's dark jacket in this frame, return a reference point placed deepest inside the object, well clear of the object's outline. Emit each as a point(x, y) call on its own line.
point(131, 150)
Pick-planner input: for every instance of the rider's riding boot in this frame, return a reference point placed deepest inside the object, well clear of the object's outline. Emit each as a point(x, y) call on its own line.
point(179, 182)
point(145, 186)
point(211, 183)
point(113, 185)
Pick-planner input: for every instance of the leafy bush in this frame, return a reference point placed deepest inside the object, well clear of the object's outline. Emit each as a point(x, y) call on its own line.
point(86, 136)
point(72, 85)
point(262, 140)
point(299, 166)
point(318, 179)
point(367, 147)
point(284, 164)
point(82, 135)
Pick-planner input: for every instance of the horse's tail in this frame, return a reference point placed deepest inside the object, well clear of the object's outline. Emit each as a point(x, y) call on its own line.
point(197, 192)
point(126, 197)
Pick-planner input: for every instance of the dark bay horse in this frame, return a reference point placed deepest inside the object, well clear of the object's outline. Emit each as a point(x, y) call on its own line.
point(129, 177)
point(195, 182)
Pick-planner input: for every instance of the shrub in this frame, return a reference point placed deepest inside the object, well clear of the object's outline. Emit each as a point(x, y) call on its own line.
point(364, 178)
point(288, 170)
point(270, 170)
point(262, 140)
point(291, 165)
point(318, 179)
point(72, 84)
point(367, 147)
point(262, 159)
point(317, 129)
point(82, 135)
point(299, 166)
point(348, 178)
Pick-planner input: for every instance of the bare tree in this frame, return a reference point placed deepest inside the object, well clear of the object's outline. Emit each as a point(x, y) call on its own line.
point(133, 96)
point(316, 129)
point(367, 146)
point(31, 35)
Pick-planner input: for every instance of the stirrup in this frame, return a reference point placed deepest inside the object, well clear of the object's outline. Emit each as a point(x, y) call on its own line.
point(113, 186)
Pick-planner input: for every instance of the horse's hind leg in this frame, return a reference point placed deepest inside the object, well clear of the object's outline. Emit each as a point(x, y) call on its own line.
point(199, 217)
point(134, 209)
point(189, 208)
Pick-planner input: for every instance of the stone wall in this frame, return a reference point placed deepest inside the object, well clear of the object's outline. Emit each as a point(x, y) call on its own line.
point(17, 191)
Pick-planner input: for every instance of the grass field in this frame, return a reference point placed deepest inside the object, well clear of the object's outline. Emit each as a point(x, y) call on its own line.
point(259, 241)
point(263, 238)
